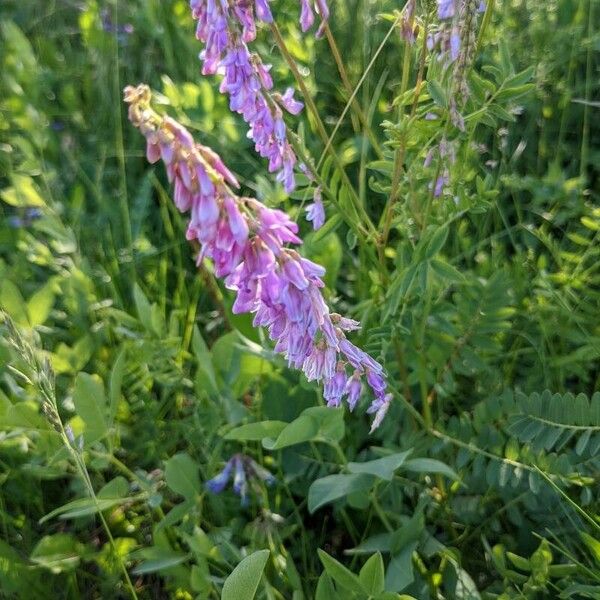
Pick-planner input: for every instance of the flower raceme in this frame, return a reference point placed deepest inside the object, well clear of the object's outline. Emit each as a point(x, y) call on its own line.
point(226, 27)
point(249, 245)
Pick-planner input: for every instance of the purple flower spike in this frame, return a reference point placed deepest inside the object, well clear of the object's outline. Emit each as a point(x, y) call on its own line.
point(248, 244)
point(226, 28)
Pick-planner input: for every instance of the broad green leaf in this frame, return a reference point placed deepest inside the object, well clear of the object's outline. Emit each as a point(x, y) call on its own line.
point(430, 465)
point(58, 553)
point(437, 241)
point(22, 193)
point(13, 302)
point(302, 429)
point(245, 578)
point(41, 303)
point(256, 431)
point(333, 487)
point(372, 575)
point(176, 514)
point(446, 271)
point(83, 507)
point(181, 475)
point(400, 572)
point(317, 423)
point(380, 542)
point(116, 488)
point(381, 467)
point(437, 93)
point(325, 588)
point(160, 564)
point(339, 573)
point(90, 405)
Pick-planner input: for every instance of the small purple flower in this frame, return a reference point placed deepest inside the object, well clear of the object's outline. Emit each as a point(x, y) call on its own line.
point(454, 44)
point(354, 390)
point(288, 101)
point(218, 483)
point(446, 9)
point(440, 182)
point(315, 212)
point(380, 409)
point(335, 388)
point(29, 215)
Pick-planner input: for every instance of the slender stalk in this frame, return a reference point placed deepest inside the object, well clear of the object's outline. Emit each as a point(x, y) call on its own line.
point(585, 134)
point(356, 107)
point(399, 153)
point(41, 376)
point(319, 123)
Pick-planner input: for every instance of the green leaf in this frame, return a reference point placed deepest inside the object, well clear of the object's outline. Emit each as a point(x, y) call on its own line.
point(430, 465)
point(317, 423)
point(181, 475)
point(330, 226)
point(592, 544)
point(41, 303)
point(13, 302)
point(116, 488)
point(372, 575)
point(245, 578)
point(83, 507)
point(22, 192)
point(90, 405)
point(381, 467)
point(325, 588)
point(400, 573)
point(58, 553)
point(144, 309)
point(330, 488)
point(256, 431)
point(446, 271)
point(437, 241)
point(115, 383)
point(159, 564)
point(437, 93)
point(339, 573)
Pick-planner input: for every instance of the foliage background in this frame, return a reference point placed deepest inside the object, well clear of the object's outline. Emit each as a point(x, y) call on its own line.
point(484, 300)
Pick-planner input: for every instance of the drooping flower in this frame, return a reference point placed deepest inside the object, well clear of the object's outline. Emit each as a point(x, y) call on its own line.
point(250, 246)
point(246, 473)
point(226, 28)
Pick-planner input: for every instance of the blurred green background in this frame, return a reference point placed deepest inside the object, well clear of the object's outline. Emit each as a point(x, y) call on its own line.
point(93, 259)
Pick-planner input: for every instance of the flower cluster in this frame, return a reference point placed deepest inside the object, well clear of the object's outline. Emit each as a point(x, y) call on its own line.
point(456, 37)
point(245, 471)
point(249, 246)
point(225, 28)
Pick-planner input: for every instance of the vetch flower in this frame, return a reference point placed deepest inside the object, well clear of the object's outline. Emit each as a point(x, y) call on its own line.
point(226, 28)
point(315, 212)
point(246, 473)
point(307, 17)
point(250, 246)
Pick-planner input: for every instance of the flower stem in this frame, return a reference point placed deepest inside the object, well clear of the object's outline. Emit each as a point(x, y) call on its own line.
point(358, 111)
